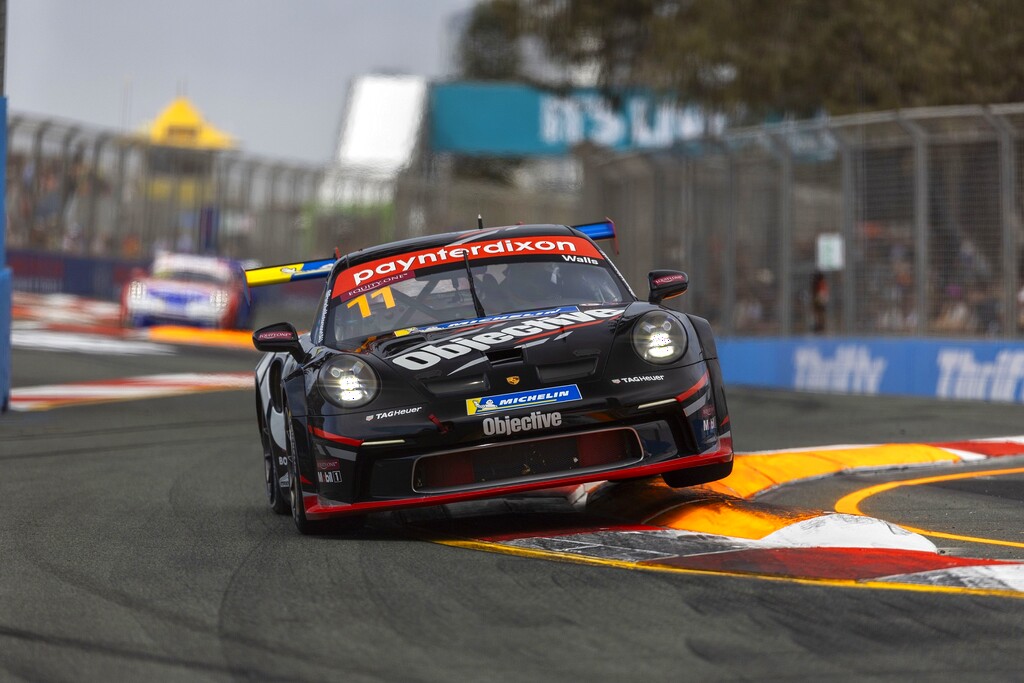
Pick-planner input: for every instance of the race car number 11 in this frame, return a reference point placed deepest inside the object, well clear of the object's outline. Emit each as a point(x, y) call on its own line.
point(364, 303)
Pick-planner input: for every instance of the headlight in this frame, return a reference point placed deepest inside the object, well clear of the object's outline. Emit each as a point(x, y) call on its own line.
point(136, 290)
point(220, 299)
point(348, 382)
point(659, 338)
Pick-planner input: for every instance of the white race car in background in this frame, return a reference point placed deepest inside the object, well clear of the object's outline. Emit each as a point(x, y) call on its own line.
point(186, 289)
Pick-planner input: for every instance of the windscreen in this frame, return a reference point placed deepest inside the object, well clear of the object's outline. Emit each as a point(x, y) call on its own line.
point(189, 268)
point(410, 291)
point(206, 278)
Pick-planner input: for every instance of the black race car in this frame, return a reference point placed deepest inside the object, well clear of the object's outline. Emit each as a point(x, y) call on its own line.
point(479, 364)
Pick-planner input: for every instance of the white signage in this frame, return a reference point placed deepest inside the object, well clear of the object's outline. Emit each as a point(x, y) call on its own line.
point(830, 253)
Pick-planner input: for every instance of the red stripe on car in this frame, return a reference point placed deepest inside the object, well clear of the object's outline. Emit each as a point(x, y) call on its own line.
point(694, 389)
point(337, 438)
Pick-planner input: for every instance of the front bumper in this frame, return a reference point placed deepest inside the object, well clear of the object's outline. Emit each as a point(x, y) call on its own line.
point(348, 476)
point(155, 311)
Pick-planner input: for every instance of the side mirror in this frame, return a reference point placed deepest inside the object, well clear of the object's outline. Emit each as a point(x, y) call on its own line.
point(666, 284)
point(277, 338)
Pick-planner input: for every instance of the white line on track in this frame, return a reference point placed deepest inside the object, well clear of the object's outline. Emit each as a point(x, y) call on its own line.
point(130, 388)
point(43, 340)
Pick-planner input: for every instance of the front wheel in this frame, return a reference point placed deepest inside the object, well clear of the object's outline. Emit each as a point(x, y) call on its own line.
point(275, 496)
point(310, 527)
point(697, 475)
point(273, 468)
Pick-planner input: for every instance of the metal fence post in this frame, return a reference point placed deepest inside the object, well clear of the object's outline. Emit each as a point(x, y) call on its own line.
point(1008, 217)
point(729, 258)
point(67, 166)
point(37, 166)
point(846, 228)
point(784, 155)
point(921, 221)
point(89, 229)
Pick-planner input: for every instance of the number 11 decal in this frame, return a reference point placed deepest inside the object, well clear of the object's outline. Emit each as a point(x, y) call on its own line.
point(364, 303)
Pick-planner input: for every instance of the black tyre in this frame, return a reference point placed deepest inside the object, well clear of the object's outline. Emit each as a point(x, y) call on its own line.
point(309, 527)
point(276, 496)
point(697, 475)
point(319, 527)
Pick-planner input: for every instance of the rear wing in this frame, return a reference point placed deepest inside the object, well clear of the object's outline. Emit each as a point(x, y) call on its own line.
point(310, 270)
point(289, 272)
point(603, 230)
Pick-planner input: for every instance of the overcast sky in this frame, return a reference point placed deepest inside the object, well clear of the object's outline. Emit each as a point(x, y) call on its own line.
point(273, 73)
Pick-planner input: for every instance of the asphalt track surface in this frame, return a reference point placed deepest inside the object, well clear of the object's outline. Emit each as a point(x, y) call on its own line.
point(135, 544)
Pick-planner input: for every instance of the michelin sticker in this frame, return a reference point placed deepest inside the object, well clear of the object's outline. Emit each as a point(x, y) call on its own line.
point(523, 399)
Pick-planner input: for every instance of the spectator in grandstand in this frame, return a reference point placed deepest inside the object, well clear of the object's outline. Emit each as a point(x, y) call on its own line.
point(46, 218)
point(103, 243)
point(985, 309)
point(18, 204)
point(955, 316)
point(131, 246)
point(819, 301)
point(72, 240)
point(1020, 309)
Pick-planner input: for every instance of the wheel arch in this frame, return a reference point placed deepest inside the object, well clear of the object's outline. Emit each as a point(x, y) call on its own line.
point(706, 338)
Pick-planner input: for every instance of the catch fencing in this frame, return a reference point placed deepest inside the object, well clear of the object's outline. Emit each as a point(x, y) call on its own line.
point(86, 191)
point(912, 218)
point(82, 190)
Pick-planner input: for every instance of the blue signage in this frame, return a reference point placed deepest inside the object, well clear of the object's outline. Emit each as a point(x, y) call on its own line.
point(517, 120)
point(953, 369)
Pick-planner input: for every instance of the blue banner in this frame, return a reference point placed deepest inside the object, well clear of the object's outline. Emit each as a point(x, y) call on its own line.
point(89, 276)
point(936, 368)
point(504, 119)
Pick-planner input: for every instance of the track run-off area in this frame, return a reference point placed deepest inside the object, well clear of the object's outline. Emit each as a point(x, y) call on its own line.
point(858, 537)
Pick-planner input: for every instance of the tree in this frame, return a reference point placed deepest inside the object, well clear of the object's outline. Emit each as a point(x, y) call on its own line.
point(487, 47)
point(798, 57)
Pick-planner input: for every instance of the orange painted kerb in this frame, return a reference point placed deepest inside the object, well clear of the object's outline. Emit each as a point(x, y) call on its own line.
point(756, 473)
point(234, 339)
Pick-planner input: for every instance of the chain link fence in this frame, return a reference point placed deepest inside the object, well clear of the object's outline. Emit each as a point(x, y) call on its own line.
point(88, 191)
point(78, 190)
point(894, 223)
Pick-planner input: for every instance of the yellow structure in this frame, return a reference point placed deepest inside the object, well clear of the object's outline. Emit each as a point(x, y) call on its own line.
point(181, 145)
point(181, 125)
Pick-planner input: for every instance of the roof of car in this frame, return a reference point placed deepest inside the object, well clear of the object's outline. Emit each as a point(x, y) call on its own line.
point(430, 241)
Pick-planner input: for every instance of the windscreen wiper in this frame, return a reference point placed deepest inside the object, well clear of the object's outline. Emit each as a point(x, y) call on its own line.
point(472, 286)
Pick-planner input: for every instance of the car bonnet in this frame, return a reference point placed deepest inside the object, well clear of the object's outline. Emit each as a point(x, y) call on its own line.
point(563, 342)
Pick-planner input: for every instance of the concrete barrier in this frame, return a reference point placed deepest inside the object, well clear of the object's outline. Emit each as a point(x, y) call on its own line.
point(51, 273)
